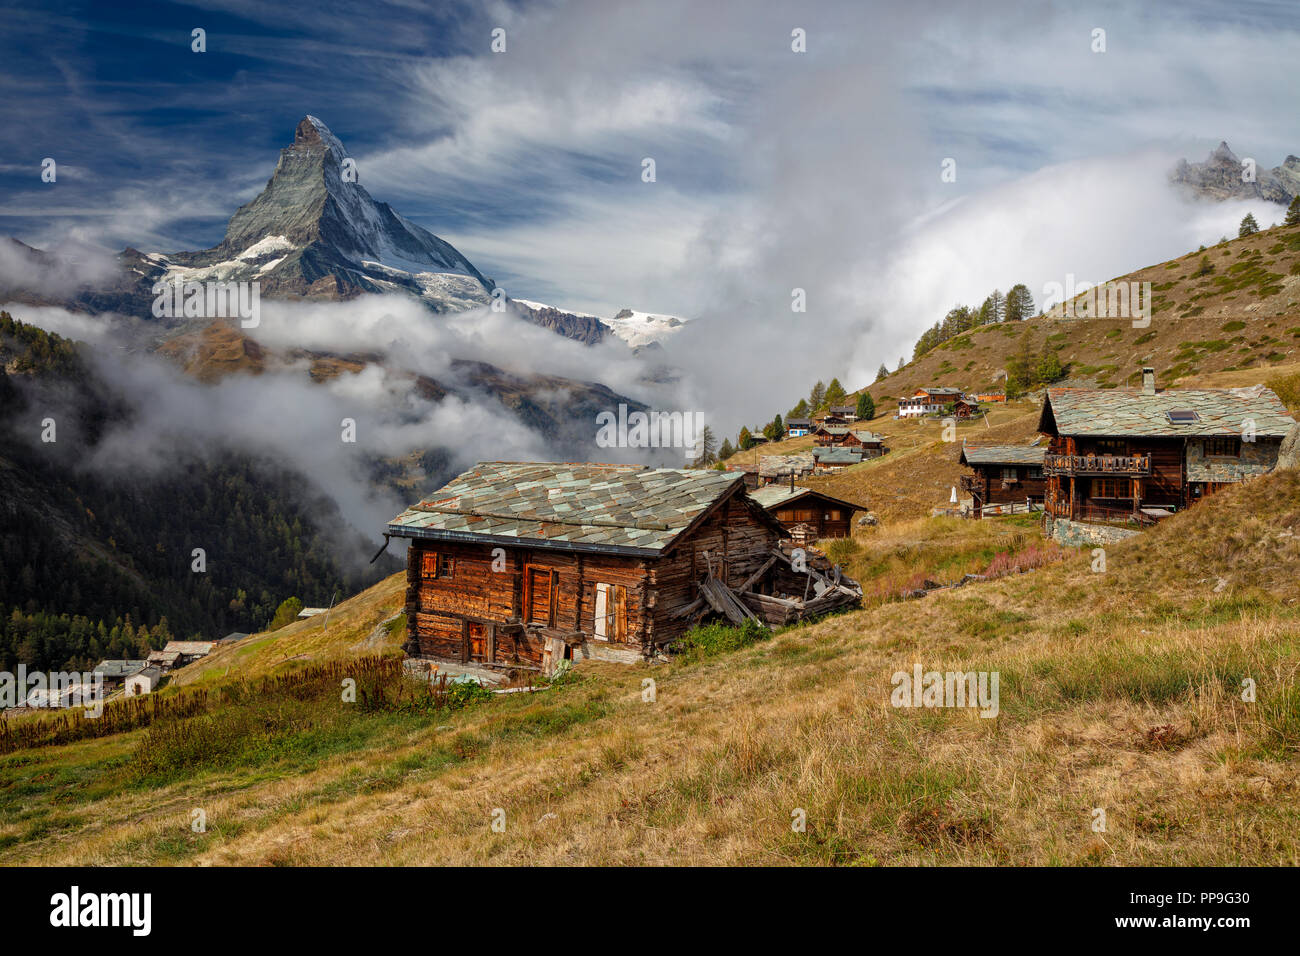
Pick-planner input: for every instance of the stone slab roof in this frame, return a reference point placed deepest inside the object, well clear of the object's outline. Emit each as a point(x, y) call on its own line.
point(1105, 412)
point(574, 506)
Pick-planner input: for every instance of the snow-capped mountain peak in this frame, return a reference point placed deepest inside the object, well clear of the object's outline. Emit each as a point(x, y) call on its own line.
point(315, 230)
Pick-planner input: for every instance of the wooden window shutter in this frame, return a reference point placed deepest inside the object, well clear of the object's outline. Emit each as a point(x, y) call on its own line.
point(604, 612)
point(555, 595)
point(620, 613)
point(429, 564)
point(540, 596)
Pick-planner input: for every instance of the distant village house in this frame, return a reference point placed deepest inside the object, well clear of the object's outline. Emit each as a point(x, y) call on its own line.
point(823, 515)
point(1132, 456)
point(798, 427)
point(143, 681)
point(927, 401)
point(114, 673)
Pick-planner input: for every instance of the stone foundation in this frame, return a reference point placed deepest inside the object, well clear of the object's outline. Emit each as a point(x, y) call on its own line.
point(1080, 534)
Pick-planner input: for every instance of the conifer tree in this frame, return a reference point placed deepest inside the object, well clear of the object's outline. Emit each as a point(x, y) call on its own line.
point(1293, 213)
point(835, 393)
point(866, 407)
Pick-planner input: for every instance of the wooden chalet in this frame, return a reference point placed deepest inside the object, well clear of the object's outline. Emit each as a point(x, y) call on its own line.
point(965, 408)
point(798, 427)
point(824, 516)
point(1003, 476)
point(869, 443)
point(835, 458)
point(776, 468)
point(930, 400)
point(524, 564)
point(1136, 455)
point(186, 652)
point(872, 445)
point(832, 433)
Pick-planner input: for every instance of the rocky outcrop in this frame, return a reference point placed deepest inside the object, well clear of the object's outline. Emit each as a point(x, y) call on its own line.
point(1288, 455)
point(586, 329)
point(1220, 178)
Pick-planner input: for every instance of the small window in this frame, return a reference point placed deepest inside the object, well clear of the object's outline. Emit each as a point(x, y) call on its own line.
point(435, 565)
point(1183, 416)
point(1223, 447)
point(1112, 446)
point(1010, 474)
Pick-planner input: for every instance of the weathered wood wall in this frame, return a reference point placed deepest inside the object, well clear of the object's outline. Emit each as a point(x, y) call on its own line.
point(473, 613)
point(812, 510)
point(1024, 486)
point(735, 541)
point(509, 613)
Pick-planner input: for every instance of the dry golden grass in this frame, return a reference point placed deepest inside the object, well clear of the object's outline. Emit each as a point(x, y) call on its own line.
point(352, 629)
point(1119, 691)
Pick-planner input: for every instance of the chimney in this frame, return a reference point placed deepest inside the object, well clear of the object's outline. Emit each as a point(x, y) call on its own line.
point(1148, 380)
point(792, 478)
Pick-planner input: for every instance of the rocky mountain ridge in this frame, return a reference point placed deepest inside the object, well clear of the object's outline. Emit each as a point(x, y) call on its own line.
point(1220, 177)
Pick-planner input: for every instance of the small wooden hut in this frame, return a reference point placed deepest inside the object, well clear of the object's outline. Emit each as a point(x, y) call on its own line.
point(524, 564)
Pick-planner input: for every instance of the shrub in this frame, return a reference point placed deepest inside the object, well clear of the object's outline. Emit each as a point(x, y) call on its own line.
point(286, 613)
point(1287, 388)
point(709, 640)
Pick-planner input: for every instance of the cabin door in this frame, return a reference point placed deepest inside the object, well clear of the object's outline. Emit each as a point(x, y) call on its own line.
point(611, 612)
point(475, 641)
point(539, 596)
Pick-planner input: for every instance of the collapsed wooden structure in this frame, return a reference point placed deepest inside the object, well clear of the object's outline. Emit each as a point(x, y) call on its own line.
point(525, 564)
point(794, 584)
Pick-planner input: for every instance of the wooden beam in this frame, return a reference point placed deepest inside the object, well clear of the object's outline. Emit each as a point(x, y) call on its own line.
point(753, 578)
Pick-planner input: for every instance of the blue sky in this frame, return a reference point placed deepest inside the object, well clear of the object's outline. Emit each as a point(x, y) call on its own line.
point(775, 170)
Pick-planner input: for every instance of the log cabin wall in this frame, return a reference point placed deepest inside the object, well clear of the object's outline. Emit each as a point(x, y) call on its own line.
point(1016, 492)
point(735, 540)
point(460, 609)
point(827, 518)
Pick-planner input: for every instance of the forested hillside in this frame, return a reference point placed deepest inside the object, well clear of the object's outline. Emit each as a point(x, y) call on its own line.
point(96, 564)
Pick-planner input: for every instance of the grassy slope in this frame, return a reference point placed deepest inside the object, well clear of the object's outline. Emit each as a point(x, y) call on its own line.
point(354, 628)
point(1256, 281)
point(1238, 325)
point(1118, 690)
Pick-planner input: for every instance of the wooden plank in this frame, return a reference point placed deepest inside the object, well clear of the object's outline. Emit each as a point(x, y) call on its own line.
point(620, 613)
point(753, 578)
